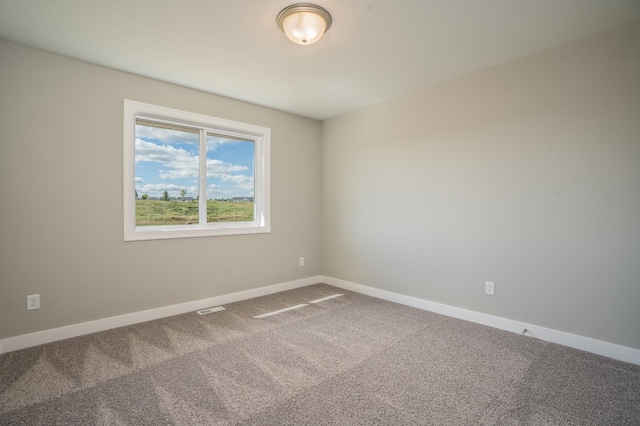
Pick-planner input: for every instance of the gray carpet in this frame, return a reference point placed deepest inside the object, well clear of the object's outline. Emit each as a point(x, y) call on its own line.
point(348, 360)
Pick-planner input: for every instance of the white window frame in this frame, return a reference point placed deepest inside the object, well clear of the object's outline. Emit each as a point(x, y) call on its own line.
point(260, 135)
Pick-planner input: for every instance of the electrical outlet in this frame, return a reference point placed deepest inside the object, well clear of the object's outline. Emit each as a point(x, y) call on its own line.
point(301, 261)
point(489, 288)
point(33, 302)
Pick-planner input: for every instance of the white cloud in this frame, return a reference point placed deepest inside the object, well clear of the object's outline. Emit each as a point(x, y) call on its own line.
point(245, 186)
point(217, 167)
point(237, 179)
point(170, 136)
point(175, 164)
point(214, 142)
point(179, 163)
point(166, 135)
point(242, 182)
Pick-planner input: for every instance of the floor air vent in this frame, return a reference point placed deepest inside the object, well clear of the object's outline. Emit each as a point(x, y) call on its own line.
point(210, 310)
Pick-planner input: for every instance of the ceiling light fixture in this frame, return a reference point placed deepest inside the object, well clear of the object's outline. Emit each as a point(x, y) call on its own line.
point(304, 23)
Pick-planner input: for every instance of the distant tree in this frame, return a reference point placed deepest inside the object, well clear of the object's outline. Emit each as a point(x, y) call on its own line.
point(183, 192)
point(165, 196)
point(144, 196)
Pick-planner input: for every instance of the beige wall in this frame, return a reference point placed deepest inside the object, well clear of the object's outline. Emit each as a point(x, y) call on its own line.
point(61, 226)
point(526, 174)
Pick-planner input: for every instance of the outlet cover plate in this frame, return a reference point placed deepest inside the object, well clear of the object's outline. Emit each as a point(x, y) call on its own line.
point(489, 288)
point(33, 302)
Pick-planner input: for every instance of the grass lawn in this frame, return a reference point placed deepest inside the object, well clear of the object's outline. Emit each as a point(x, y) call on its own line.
point(154, 212)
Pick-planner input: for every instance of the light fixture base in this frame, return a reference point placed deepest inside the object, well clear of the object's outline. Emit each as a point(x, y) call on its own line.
point(304, 23)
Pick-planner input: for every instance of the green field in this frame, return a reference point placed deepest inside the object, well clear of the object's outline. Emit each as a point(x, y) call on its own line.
point(155, 212)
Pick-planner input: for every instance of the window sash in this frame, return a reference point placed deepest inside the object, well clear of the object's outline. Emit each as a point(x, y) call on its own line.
point(138, 113)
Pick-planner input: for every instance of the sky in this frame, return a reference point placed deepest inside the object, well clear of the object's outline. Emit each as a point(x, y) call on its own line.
point(168, 160)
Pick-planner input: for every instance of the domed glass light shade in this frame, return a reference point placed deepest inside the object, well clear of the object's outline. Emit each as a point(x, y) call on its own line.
point(304, 23)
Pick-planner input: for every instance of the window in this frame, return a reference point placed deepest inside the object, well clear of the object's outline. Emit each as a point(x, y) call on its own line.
point(190, 175)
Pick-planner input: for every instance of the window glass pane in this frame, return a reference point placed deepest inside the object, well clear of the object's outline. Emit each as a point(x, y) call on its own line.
point(190, 175)
point(230, 179)
point(166, 174)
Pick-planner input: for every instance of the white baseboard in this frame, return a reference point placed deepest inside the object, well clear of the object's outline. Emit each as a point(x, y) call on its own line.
point(52, 335)
point(599, 347)
point(610, 350)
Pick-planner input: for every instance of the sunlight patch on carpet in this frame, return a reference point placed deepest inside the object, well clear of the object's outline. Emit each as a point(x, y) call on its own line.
point(268, 314)
point(326, 298)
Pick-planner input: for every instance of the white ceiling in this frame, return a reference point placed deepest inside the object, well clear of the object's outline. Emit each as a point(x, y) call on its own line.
point(375, 49)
